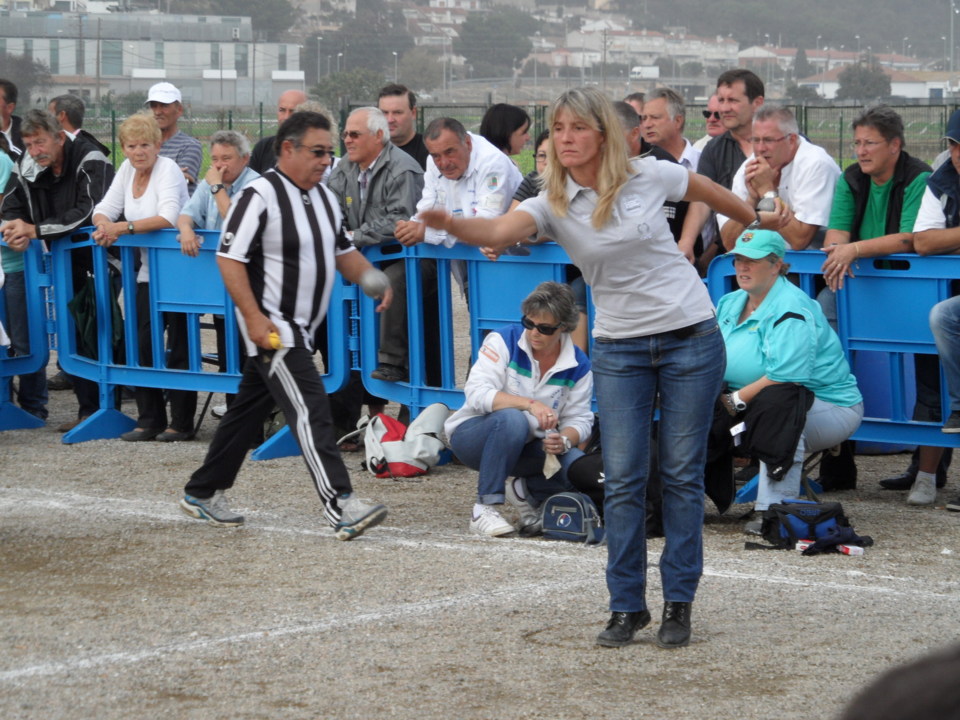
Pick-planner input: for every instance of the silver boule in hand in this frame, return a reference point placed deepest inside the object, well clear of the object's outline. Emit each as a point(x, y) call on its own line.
point(374, 283)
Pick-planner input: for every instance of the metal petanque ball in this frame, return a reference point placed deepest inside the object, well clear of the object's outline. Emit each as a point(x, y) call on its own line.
point(374, 283)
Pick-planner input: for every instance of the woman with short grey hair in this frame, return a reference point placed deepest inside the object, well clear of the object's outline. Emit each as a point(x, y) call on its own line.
point(528, 396)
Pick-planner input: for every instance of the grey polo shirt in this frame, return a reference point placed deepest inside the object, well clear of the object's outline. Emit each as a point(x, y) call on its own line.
point(641, 282)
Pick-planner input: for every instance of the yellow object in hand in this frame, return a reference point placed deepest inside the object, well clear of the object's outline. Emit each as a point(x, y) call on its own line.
point(275, 341)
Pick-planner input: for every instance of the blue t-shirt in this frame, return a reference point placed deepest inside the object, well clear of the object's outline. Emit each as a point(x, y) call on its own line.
point(787, 339)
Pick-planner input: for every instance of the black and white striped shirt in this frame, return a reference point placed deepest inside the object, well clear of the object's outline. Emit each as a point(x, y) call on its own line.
point(289, 238)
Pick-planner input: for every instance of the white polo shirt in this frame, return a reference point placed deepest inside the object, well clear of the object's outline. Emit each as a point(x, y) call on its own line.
point(806, 184)
point(484, 190)
point(642, 284)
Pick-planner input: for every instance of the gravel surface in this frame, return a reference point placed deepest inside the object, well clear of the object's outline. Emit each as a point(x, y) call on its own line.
point(113, 604)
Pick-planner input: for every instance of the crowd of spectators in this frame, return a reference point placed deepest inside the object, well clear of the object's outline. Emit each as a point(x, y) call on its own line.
point(754, 186)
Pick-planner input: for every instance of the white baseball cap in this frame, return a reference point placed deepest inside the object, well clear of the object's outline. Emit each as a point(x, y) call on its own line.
point(164, 93)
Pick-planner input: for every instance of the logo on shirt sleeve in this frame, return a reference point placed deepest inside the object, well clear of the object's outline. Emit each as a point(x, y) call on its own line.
point(492, 182)
point(489, 353)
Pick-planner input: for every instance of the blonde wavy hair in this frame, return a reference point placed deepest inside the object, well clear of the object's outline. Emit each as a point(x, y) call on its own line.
point(596, 110)
point(139, 127)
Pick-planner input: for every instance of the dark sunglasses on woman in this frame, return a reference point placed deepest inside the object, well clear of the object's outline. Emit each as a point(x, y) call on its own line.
point(542, 329)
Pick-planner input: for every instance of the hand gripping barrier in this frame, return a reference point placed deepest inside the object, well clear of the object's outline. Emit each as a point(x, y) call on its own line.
point(36, 279)
point(190, 286)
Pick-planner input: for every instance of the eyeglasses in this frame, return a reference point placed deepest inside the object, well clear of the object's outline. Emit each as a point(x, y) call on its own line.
point(319, 152)
point(707, 114)
point(767, 141)
point(542, 329)
point(541, 156)
point(865, 144)
point(352, 134)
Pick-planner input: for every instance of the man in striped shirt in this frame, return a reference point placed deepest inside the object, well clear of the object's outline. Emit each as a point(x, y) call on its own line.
point(166, 104)
point(282, 241)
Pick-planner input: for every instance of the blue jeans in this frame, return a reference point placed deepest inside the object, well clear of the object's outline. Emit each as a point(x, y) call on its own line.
point(686, 371)
point(496, 445)
point(945, 325)
point(31, 389)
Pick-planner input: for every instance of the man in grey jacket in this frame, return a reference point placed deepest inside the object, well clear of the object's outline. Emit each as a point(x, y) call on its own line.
point(377, 185)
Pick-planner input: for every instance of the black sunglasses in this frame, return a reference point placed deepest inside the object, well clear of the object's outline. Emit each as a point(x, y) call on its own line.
point(320, 152)
point(542, 329)
point(707, 114)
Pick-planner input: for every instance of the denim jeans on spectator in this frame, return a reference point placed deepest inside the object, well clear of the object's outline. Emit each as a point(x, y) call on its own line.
point(945, 325)
point(686, 369)
point(32, 388)
point(496, 445)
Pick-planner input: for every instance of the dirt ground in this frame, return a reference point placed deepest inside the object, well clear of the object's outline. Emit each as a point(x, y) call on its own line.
point(113, 604)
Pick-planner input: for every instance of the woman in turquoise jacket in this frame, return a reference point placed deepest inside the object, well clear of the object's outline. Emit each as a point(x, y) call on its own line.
point(775, 333)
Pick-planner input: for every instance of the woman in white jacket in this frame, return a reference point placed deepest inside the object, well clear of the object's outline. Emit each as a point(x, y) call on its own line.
point(528, 395)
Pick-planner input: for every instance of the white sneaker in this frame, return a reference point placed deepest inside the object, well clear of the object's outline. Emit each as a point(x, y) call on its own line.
point(531, 521)
point(218, 411)
point(923, 492)
point(490, 523)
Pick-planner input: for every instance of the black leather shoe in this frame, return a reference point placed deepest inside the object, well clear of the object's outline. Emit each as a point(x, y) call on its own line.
point(905, 481)
point(174, 436)
point(622, 627)
point(675, 626)
point(140, 435)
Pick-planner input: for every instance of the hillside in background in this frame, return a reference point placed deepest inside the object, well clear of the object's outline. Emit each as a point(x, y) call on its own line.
point(881, 24)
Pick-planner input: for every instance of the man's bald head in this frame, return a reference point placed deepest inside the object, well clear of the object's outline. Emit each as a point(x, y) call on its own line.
point(287, 102)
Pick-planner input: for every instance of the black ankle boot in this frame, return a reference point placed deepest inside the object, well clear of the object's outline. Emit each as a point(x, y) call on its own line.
point(675, 626)
point(839, 472)
point(622, 627)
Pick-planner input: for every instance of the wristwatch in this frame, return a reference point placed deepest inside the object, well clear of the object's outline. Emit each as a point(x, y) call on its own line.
point(738, 404)
point(214, 189)
point(130, 227)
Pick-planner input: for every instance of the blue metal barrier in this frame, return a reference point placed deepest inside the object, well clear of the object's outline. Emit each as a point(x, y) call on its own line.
point(36, 280)
point(884, 309)
point(190, 286)
point(494, 293)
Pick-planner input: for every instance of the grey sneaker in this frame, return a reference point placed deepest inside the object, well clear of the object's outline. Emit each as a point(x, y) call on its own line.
point(531, 520)
point(952, 425)
point(214, 510)
point(923, 492)
point(357, 515)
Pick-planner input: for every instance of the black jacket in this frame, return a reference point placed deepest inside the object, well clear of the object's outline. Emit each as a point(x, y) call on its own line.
point(59, 206)
point(906, 171)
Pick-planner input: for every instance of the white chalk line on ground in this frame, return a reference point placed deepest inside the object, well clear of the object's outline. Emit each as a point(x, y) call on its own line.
point(76, 503)
point(471, 599)
point(12, 499)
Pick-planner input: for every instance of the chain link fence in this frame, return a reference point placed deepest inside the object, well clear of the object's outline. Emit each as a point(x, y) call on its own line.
point(827, 126)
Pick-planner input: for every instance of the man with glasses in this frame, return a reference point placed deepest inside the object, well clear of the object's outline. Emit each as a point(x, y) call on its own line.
point(714, 125)
point(285, 214)
point(787, 165)
point(377, 185)
point(875, 205)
